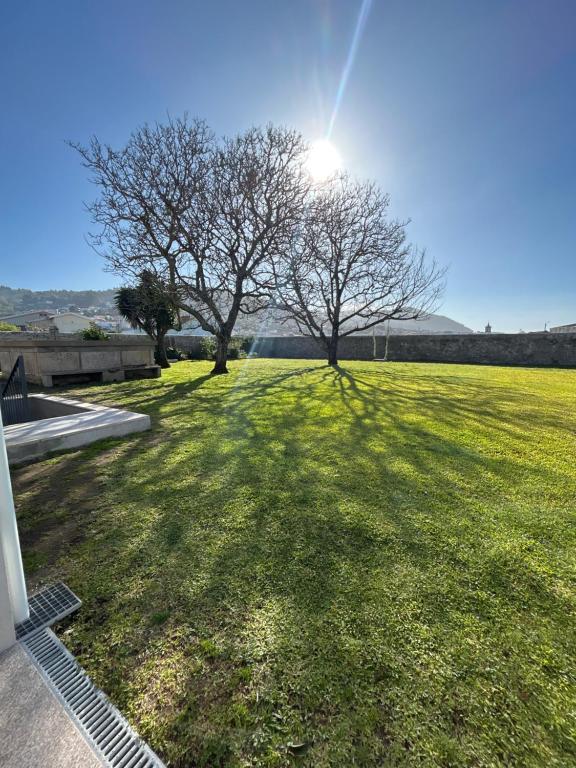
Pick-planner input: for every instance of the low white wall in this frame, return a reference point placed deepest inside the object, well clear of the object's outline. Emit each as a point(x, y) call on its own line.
point(47, 407)
point(79, 424)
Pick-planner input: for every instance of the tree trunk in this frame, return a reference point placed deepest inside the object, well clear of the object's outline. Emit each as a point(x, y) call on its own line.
point(221, 355)
point(333, 351)
point(160, 352)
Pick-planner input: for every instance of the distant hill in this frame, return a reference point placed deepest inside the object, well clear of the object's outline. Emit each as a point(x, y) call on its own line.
point(431, 324)
point(268, 323)
point(271, 323)
point(14, 300)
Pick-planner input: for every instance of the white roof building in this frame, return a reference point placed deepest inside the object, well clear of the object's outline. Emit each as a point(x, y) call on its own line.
point(65, 322)
point(37, 318)
point(69, 322)
point(564, 328)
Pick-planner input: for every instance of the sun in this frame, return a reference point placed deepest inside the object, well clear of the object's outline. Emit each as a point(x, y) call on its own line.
point(323, 160)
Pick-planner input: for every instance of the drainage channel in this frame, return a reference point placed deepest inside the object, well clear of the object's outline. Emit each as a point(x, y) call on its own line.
point(104, 728)
point(47, 607)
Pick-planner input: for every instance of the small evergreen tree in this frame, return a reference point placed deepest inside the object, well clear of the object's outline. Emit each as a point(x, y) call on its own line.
point(94, 333)
point(148, 306)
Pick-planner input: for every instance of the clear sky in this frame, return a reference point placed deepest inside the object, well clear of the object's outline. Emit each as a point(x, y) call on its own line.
point(465, 112)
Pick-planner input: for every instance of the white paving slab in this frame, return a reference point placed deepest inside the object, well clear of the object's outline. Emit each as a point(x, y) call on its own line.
point(89, 423)
point(35, 729)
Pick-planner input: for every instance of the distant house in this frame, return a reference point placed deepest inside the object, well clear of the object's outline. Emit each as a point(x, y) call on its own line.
point(69, 322)
point(44, 320)
point(33, 319)
point(564, 328)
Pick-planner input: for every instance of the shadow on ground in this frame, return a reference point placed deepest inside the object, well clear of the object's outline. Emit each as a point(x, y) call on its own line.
point(365, 565)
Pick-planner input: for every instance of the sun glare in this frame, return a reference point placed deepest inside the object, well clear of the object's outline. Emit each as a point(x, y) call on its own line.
point(323, 160)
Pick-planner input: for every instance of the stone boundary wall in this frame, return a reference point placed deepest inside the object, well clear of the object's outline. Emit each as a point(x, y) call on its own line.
point(528, 349)
point(187, 344)
point(350, 348)
point(295, 347)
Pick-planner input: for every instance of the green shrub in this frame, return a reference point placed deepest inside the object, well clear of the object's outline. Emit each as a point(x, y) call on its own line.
point(94, 333)
point(8, 328)
point(208, 349)
point(236, 348)
point(173, 353)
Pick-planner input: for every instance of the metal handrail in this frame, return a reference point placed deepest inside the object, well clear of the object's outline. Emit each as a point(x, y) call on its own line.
point(14, 396)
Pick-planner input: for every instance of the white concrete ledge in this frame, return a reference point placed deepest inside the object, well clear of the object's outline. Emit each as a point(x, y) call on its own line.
point(80, 424)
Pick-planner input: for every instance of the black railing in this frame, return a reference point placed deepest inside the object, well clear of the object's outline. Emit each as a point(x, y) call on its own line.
point(14, 395)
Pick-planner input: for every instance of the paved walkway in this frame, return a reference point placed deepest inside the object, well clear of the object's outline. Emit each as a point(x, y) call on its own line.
point(35, 730)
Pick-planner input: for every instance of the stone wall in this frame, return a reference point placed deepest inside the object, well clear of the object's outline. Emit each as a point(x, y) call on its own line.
point(303, 347)
point(536, 349)
point(350, 348)
point(530, 349)
point(188, 344)
point(48, 357)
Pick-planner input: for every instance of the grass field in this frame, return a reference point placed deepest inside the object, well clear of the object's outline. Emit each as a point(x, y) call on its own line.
point(371, 566)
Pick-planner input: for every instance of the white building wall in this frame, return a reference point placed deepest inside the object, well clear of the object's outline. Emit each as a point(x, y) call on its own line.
point(564, 328)
point(70, 323)
point(7, 633)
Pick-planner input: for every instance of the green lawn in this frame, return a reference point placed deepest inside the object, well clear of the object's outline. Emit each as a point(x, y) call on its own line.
point(301, 566)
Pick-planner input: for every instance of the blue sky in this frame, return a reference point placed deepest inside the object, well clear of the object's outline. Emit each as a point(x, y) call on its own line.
point(465, 112)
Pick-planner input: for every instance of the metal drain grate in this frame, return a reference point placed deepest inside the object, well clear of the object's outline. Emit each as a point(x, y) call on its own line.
point(103, 726)
point(46, 607)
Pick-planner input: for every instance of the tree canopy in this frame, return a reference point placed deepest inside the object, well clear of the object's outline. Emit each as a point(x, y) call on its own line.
point(350, 267)
point(149, 307)
point(206, 217)
point(231, 226)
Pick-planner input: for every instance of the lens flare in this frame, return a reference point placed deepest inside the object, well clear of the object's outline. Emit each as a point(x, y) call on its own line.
point(356, 37)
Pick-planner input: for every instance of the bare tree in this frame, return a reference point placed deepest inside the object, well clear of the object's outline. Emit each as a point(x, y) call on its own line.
point(251, 206)
point(208, 219)
point(351, 268)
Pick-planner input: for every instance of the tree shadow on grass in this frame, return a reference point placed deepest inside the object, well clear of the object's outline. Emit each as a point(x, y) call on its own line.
point(322, 530)
point(318, 571)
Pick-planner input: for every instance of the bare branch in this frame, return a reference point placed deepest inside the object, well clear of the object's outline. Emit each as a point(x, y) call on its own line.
point(210, 219)
point(350, 268)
